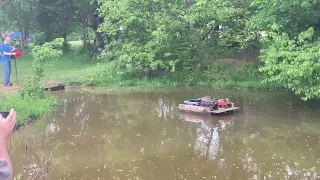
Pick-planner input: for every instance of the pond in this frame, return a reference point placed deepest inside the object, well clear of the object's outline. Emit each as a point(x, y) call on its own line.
point(142, 135)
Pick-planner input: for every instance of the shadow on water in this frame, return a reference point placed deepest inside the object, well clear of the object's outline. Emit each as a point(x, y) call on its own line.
point(143, 136)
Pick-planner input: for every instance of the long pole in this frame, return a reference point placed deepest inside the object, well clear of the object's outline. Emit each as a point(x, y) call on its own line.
point(15, 65)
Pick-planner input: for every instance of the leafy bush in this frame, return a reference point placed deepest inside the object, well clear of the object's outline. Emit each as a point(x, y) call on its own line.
point(32, 87)
point(218, 75)
point(150, 36)
point(294, 63)
point(290, 39)
point(42, 53)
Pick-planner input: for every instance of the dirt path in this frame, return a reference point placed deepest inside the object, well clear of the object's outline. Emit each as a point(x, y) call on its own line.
point(14, 88)
point(9, 89)
point(234, 61)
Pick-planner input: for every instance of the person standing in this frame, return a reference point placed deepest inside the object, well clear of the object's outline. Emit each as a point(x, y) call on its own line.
point(6, 53)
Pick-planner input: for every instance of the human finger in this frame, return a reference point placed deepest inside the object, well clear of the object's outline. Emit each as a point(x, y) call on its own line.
point(13, 119)
point(12, 123)
point(10, 116)
point(11, 126)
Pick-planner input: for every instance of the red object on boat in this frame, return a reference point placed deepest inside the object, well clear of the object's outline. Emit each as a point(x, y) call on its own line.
point(224, 103)
point(18, 54)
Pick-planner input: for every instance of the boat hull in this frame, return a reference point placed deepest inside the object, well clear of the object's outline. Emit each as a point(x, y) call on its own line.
point(205, 110)
point(194, 109)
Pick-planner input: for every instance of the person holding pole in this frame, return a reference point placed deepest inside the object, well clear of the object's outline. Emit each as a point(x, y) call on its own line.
point(6, 53)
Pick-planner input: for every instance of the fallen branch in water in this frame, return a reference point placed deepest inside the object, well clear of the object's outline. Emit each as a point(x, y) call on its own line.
point(41, 166)
point(43, 172)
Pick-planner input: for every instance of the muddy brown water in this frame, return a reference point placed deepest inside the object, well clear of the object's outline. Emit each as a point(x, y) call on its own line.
point(143, 136)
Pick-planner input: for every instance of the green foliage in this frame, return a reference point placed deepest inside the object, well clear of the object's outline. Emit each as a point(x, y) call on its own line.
point(294, 63)
point(32, 87)
point(291, 17)
point(164, 36)
point(28, 108)
point(218, 75)
point(42, 53)
point(146, 39)
point(144, 42)
point(17, 14)
point(290, 53)
point(32, 101)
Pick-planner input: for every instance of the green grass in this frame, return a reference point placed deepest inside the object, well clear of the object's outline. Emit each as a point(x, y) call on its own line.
point(219, 75)
point(62, 68)
point(75, 69)
point(68, 66)
point(27, 109)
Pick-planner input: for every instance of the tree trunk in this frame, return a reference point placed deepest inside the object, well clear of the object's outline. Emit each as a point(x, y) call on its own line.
point(64, 35)
point(216, 38)
point(84, 36)
point(98, 43)
point(24, 38)
point(65, 47)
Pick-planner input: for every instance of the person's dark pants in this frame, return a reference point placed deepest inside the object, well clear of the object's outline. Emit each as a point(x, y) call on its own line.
point(7, 71)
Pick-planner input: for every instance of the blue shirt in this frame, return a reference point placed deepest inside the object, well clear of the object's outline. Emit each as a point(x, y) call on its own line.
point(5, 48)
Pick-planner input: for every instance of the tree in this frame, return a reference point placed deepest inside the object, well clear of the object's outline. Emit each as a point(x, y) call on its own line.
point(290, 53)
point(87, 13)
point(62, 13)
point(152, 36)
point(294, 63)
point(18, 15)
point(52, 22)
point(291, 17)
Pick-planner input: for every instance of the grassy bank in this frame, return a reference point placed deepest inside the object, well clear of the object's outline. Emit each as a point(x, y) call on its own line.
point(74, 69)
point(30, 109)
point(27, 109)
point(218, 75)
point(62, 68)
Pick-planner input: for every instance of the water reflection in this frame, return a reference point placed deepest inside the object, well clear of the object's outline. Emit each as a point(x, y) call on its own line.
point(207, 141)
point(143, 136)
point(52, 128)
point(164, 108)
